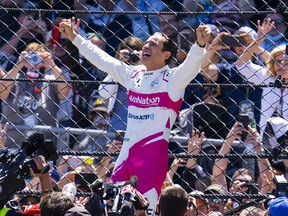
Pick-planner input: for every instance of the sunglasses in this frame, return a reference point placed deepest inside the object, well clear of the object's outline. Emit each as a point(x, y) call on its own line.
point(216, 200)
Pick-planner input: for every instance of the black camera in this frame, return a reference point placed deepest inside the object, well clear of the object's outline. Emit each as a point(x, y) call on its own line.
point(281, 186)
point(281, 190)
point(121, 203)
point(124, 202)
point(233, 40)
point(252, 187)
point(15, 164)
point(110, 191)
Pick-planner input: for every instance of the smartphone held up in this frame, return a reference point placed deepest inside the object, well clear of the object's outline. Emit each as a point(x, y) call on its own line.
point(233, 40)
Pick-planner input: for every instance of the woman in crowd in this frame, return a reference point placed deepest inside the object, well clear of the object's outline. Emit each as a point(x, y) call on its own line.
point(30, 103)
point(275, 71)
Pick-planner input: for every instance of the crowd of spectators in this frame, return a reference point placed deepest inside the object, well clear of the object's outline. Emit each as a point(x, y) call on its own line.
point(46, 83)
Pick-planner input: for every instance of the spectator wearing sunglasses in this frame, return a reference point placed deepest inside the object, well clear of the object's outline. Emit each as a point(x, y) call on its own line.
point(216, 203)
point(241, 176)
point(274, 71)
point(199, 204)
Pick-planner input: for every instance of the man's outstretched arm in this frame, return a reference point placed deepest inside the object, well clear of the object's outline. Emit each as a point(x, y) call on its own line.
point(189, 69)
point(102, 60)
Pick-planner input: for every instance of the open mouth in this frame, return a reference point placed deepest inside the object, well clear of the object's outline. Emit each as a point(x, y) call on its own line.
point(145, 54)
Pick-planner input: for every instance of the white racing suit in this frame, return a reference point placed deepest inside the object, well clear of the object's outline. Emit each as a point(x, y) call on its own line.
point(154, 99)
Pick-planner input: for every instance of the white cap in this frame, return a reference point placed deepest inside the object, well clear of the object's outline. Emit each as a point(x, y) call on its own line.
point(70, 190)
point(279, 126)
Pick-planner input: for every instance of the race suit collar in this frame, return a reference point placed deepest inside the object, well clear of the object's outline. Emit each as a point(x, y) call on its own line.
point(166, 67)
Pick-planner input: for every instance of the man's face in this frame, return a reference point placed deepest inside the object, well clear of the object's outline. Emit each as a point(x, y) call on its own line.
point(216, 204)
point(152, 55)
point(238, 182)
point(168, 24)
point(124, 55)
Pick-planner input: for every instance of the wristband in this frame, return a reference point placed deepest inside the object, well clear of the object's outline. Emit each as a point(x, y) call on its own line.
point(200, 45)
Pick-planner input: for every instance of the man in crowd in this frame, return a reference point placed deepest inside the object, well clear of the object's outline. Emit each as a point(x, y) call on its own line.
point(173, 201)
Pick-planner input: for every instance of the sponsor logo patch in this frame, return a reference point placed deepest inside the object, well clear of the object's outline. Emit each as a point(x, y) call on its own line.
point(144, 100)
point(142, 117)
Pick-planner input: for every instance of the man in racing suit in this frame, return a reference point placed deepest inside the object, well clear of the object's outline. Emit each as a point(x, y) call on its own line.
point(155, 94)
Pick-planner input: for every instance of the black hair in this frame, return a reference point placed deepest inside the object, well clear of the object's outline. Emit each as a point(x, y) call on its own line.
point(168, 45)
point(56, 204)
point(173, 201)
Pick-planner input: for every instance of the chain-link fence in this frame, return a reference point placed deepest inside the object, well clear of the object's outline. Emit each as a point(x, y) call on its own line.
point(235, 109)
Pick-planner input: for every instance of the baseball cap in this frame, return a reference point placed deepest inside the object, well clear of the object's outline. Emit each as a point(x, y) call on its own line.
point(77, 211)
point(280, 128)
point(279, 206)
point(215, 188)
point(99, 105)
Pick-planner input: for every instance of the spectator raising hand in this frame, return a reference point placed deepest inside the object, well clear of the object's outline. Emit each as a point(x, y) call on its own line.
point(33, 63)
point(115, 146)
point(274, 70)
point(194, 146)
point(255, 44)
point(44, 178)
point(220, 166)
point(176, 164)
point(264, 29)
point(264, 166)
point(192, 171)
